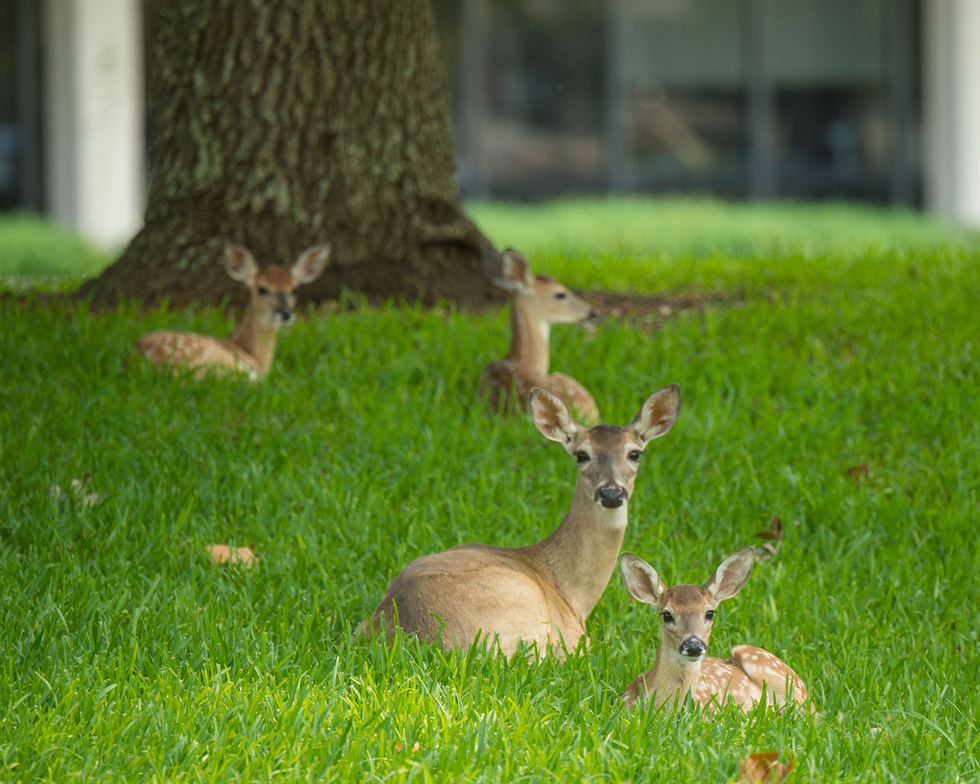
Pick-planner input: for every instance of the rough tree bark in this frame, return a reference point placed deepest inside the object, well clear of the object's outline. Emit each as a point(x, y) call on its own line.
point(280, 124)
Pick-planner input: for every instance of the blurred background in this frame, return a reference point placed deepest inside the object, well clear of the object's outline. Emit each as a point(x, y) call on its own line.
point(867, 100)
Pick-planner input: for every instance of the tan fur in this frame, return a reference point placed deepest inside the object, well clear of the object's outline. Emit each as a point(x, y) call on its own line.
point(739, 678)
point(539, 301)
point(710, 681)
point(201, 353)
point(251, 347)
point(540, 594)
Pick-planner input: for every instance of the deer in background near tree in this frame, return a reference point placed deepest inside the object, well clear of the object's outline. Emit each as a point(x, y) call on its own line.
point(538, 302)
point(682, 665)
point(541, 594)
point(251, 347)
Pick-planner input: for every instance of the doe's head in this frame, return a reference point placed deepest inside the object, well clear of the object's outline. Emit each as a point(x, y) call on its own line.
point(551, 300)
point(607, 455)
point(686, 611)
point(274, 288)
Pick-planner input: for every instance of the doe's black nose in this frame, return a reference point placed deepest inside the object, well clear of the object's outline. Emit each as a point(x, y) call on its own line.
point(693, 648)
point(610, 496)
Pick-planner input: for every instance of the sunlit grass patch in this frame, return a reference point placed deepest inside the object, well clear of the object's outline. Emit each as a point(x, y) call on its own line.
point(34, 250)
point(701, 244)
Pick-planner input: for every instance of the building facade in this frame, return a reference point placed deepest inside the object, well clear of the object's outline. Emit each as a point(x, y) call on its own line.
point(857, 99)
point(873, 100)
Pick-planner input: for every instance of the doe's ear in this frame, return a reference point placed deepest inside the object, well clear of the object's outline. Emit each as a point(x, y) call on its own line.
point(731, 576)
point(641, 579)
point(310, 264)
point(517, 275)
point(551, 417)
point(658, 414)
point(240, 264)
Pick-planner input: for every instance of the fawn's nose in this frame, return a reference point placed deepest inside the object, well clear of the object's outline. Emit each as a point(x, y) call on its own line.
point(284, 315)
point(610, 496)
point(692, 648)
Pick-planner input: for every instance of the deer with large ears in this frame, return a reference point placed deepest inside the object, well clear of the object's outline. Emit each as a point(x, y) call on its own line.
point(538, 302)
point(540, 594)
point(682, 666)
point(250, 348)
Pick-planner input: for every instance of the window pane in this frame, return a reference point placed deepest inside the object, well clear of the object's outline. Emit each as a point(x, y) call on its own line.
point(682, 72)
point(826, 62)
point(544, 134)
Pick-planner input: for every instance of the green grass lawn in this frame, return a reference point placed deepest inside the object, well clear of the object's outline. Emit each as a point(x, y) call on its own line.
point(709, 245)
point(36, 253)
point(126, 656)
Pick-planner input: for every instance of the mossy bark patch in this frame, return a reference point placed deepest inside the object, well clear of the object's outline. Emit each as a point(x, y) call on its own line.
point(288, 123)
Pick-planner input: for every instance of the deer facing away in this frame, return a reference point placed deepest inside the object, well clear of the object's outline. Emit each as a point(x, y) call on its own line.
point(250, 348)
point(682, 665)
point(543, 593)
point(538, 302)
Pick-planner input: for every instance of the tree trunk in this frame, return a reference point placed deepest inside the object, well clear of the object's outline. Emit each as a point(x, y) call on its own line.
point(282, 124)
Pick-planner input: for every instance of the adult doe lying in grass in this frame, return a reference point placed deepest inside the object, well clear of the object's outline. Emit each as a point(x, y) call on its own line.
point(251, 347)
point(540, 594)
point(538, 302)
point(686, 613)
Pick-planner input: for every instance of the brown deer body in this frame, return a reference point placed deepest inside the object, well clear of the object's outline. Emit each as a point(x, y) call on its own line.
point(541, 594)
point(251, 347)
point(538, 302)
point(682, 664)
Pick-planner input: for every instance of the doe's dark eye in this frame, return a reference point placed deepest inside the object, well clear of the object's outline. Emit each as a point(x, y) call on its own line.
point(668, 618)
point(263, 290)
point(710, 615)
point(635, 455)
point(582, 457)
point(560, 295)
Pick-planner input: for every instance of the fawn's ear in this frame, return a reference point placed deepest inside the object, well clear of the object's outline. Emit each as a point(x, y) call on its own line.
point(731, 576)
point(310, 264)
point(551, 417)
point(658, 414)
point(240, 263)
point(641, 579)
point(517, 275)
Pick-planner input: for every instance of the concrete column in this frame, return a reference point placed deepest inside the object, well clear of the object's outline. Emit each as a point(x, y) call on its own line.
point(94, 117)
point(951, 106)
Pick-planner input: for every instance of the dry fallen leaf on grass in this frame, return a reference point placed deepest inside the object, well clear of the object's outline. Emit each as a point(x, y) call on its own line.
point(775, 534)
point(765, 553)
point(222, 553)
point(78, 490)
point(858, 472)
point(762, 768)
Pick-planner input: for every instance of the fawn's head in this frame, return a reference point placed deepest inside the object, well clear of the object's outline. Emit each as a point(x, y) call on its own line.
point(686, 611)
point(607, 455)
point(550, 300)
point(273, 288)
